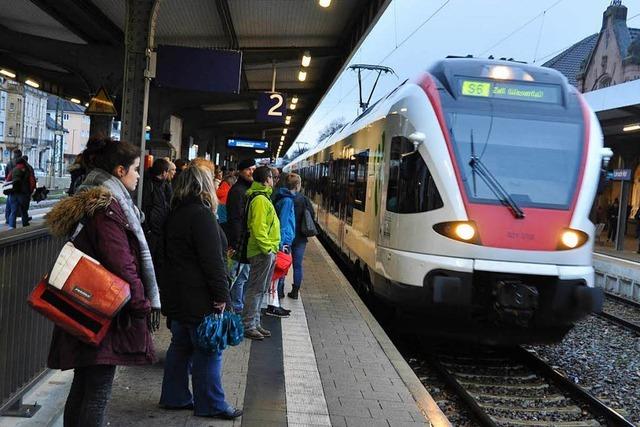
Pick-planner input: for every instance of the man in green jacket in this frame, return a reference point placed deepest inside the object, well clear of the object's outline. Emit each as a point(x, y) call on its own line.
point(263, 244)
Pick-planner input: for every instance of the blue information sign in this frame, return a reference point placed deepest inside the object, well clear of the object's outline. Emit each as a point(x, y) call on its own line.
point(247, 143)
point(272, 107)
point(621, 175)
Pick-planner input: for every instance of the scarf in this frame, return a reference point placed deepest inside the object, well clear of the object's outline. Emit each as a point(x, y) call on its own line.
point(99, 177)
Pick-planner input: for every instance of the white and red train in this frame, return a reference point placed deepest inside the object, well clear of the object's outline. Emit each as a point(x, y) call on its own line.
point(464, 196)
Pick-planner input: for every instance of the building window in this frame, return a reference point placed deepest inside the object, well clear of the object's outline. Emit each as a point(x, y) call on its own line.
point(10, 131)
point(12, 106)
point(604, 62)
point(411, 186)
point(605, 81)
point(1, 128)
point(65, 116)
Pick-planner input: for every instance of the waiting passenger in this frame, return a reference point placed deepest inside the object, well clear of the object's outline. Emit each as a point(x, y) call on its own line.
point(263, 244)
point(113, 235)
point(233, 229)
point(302, 204)
point(285, 207)
point(193, 284)
point(156, 197)
point(223, 192)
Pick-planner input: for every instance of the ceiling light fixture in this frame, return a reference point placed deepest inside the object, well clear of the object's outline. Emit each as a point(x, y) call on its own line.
point(32, 83)
point(7, 73)
point(259, 151)
point(294, 100)
point(306, 58)
point(282, 138)
point(75, 100)
point(86, 104)
point(631, 128)
point(287, 120)
point(324, 3)
point(284, 131)
point(292, 106)
point(302, 75)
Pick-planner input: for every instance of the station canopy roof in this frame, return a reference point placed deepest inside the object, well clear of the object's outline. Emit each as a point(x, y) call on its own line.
point(75, 46)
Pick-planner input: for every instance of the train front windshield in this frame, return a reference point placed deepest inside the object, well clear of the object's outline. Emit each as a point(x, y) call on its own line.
point(535, 161)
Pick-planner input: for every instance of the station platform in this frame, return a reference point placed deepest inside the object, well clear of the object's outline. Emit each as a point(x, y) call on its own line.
point(330, 363)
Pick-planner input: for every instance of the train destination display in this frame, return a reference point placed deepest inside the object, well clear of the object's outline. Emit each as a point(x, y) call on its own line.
point(510, 90)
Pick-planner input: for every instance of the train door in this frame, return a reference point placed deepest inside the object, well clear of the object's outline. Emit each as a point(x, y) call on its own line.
point(411, 190)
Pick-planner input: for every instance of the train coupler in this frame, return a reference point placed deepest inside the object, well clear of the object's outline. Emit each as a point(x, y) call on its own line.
point(515, 302)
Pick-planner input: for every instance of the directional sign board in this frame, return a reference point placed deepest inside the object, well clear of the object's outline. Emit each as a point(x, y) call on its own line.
point(101, 105)
point(272, 107)
point(621, 175)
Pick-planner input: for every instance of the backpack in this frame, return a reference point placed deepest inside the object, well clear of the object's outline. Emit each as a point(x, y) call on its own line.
point(307, 225)
point(241, 253)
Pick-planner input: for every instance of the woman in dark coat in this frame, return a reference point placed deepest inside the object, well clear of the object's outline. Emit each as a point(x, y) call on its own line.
point(301, 204)
point(111, 233)
point(194, 284)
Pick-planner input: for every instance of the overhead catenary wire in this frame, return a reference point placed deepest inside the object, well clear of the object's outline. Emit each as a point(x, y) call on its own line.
point(397, 46)
point(508, 36)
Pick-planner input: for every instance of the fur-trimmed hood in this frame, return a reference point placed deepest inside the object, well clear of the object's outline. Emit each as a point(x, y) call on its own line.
point(65, 215)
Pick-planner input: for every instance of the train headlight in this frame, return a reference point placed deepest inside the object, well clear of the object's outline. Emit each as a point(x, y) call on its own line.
point(571, 239)
point(464, 231)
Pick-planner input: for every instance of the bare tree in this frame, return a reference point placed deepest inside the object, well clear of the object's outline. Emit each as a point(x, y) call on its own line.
point(331, 128)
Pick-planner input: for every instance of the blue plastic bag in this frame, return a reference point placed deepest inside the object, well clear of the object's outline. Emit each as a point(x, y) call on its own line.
point(217, 331)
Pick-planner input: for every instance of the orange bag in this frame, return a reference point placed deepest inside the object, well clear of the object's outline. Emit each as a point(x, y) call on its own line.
point(80, 295)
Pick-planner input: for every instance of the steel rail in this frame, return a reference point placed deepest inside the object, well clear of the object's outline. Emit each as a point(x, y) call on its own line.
point(598, 407)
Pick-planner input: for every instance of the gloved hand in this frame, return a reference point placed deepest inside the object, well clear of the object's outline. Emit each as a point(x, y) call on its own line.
point(153, 320)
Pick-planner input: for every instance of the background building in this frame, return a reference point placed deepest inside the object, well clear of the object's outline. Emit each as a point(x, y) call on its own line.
point(75, 124)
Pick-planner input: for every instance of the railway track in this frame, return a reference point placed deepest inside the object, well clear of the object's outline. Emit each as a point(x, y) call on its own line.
point(622, 311)
point(516, 388)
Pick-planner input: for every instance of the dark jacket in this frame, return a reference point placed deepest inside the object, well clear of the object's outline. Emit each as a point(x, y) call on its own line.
point(108, 238)
point(156, 199)
point(300, 203)
point(193, 274)
point(235, 211)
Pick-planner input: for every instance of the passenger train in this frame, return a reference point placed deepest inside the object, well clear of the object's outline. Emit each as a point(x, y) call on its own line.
point(463, 196)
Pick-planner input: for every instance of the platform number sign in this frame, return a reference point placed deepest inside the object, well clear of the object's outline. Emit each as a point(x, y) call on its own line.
point(272, 107)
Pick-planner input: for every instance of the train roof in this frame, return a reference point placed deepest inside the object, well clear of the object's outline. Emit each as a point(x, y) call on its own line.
point(445, 71)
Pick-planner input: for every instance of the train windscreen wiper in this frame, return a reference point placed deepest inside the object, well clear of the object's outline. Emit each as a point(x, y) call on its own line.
point(505, 198)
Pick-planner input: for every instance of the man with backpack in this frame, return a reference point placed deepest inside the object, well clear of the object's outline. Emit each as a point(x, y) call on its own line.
point(262, 244)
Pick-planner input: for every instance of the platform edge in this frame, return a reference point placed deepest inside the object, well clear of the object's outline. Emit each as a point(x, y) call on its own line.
point(425, 402)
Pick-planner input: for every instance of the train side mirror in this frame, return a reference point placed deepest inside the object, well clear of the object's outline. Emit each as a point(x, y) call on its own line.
point(606, 153)
point(417, 138)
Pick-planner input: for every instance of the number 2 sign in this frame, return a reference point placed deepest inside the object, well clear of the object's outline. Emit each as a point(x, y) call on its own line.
point(272, 107)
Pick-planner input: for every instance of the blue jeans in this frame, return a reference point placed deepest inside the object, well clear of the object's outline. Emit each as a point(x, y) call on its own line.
point(183, 356)
point(297, 253)
point(15, 204)
point(240, 277)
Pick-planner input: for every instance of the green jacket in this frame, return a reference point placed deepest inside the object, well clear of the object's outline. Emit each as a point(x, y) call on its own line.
point(263, 223)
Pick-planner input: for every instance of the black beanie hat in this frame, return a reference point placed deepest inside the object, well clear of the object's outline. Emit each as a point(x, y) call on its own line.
point(246, 163)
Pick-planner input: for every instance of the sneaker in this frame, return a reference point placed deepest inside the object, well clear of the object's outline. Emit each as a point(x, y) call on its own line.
point(293, 294)
point(276, 312)
point(265, 332)
point(253, 334)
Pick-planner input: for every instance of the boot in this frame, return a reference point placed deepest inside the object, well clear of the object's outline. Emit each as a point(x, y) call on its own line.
point(293, 294)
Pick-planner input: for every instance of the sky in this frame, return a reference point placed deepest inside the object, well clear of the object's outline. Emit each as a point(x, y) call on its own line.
point(413, 34)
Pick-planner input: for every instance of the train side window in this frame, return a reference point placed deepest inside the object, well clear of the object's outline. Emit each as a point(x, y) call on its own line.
point(360, 193)
point(411, 187)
